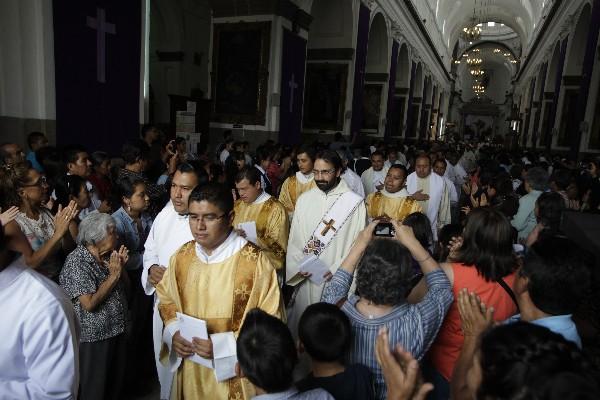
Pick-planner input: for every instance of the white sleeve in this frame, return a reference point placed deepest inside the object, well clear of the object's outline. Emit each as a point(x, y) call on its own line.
point(150, 259)
point(51, 357)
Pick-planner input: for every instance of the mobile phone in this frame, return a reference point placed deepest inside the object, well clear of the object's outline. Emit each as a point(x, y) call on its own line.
point(384, 229)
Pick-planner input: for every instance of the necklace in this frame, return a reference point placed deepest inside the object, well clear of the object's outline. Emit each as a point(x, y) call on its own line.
point(380, 310)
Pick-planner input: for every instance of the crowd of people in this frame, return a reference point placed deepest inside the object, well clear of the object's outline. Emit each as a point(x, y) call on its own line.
point(322, 271)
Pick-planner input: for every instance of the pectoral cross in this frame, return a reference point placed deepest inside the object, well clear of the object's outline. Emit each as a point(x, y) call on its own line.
point(102, 28)
point(328, 226)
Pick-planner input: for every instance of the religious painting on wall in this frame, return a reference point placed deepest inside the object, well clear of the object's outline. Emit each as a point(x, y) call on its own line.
point(240, 72)
point(325, 96)
point(372, 106)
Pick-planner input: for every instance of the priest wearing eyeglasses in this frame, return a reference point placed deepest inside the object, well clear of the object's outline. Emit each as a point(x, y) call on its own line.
point(217, 277)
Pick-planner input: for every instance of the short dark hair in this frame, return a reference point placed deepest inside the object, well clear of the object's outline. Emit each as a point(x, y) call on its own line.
point(131, 153)
point(487, 244)
point(561, 178)
point(421, 226)
point(325, 332)
point(440, 160)
point(33, 137)
point(519, 360)
point(308, 150)
point(126, 185)
point(71, 153)
point(331, 157)
point(194, 167)
point(266, 352)
point(263, 153)
point(68, 185)
point(377, 153)
point(446, 234)
point(537, 178)
point(214, 194)
point(98, 157)
point(559, 274)
point(250, 173)
point(399, 167)
point(551, 206)
point(384, 273)
point(147, 128)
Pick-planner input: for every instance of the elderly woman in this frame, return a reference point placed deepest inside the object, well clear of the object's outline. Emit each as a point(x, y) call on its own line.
point(383, 280)
point(536, 181)
point(92, 278)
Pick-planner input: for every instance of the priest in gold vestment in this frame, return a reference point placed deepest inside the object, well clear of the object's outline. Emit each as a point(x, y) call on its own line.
point(265, 211)
point(218, 277)
point(393, 201)
point(299, 183)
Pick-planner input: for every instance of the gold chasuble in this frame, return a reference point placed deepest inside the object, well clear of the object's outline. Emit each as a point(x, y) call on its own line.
point(391, 205)
point(236, 278)
point(272, 225)
point(292, 188)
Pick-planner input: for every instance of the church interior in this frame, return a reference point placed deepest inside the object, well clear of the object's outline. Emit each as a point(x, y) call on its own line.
point(481, 117)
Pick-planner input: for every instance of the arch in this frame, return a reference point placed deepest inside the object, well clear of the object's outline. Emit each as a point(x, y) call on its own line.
point(378, 48)
point(576, 53)
point(403, 67)
point(553, 69)
point(332, 25)
point(428, 90)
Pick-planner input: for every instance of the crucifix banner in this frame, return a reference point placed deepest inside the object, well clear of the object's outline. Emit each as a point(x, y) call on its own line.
point(97, 53)
point(293, 65)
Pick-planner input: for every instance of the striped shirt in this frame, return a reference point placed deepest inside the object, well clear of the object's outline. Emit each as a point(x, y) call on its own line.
point(414, 326)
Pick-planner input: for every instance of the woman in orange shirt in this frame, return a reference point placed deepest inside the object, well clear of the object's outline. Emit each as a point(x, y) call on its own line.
point(484, 264)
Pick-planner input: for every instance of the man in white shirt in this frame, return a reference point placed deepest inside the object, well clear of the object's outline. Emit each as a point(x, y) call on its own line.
point(169, 232)
point(350, 177)
point(374, 177)
point(226, 151)
point(439, 167)
point(39, 349)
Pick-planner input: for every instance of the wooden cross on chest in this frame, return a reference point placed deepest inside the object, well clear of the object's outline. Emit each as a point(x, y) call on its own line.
point(328, 226)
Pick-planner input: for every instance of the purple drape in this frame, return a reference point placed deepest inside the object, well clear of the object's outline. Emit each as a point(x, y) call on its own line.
point(293, 67)
point(359, 68)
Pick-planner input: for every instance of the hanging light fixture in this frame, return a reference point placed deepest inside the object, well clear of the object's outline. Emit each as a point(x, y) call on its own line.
point(477, 72)
point(474, 61)
point(496, 51)
point(472, 32)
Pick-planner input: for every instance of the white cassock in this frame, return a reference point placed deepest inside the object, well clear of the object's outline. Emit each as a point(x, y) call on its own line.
point(371, 179)
point(311, 208)
point(451, 190)
point(169, 232)
point(39, 345)
point(437, 207)
point(354, 182)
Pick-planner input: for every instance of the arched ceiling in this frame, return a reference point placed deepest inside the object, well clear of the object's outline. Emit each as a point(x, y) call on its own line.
point(522, 16)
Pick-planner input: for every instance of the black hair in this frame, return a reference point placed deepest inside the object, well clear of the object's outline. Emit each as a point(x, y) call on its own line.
point(487, 244)
point(400, 167)
point(33, 137)
point(214, 194)
point(331, 157)
point(71, 153)
point(421, 227)
point(252, 174)
point(561, 178)
point(12, 178)
point(263, 153)
point(551, 206)
point(2, 241)
point(520, 360)
point(147, 128)
point(68, 185)
point(266, 352)
point(238, 155)
point(384, 273)
point(179, 140)
point(308, 150)
point(132, 153)
point(325, 332)
point(441, 160)
point(377, 153)
point(193, 167)
point(559, 274)
point(446, 234)
point(127, 184)
point(98, 157)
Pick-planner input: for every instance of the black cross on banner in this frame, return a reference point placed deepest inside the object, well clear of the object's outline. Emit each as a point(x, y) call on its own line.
point(102, 28)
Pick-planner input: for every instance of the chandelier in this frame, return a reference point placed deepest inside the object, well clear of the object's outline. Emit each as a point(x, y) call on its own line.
point(474, 61)
point(472, 32)
point(478, 88)
point(477, 72)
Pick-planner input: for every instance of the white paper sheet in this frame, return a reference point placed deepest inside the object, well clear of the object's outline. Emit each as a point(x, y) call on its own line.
point(250, 229)
point(225, 355)
point(190, 328)
point(316, 267)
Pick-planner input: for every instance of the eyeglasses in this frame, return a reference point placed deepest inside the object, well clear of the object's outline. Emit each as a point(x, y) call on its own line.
point(207, 219)
point(41, 182)
point(325, 172)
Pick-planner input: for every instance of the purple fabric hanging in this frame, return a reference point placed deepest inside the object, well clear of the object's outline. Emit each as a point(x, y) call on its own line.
point(392, 86)
point(97, 52)
point(359, 68)
point(411, 95)
point(293, 66)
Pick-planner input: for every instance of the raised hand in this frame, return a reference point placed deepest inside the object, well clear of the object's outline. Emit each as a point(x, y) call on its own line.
point(123, 255)
point(63, 218)
point(8, 215)
point(400, 371)
point(474, 314)
point(403, 233)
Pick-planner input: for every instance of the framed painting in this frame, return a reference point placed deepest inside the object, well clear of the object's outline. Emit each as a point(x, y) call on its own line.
point(240, 72)
point(325, 96)
point(372, 106)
